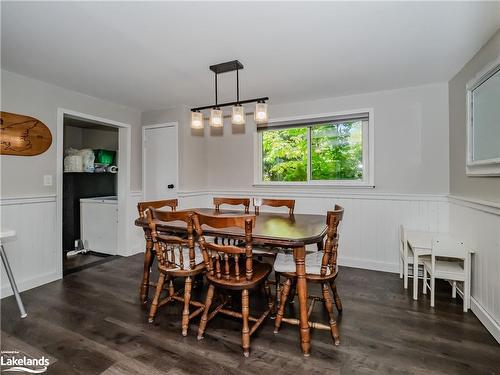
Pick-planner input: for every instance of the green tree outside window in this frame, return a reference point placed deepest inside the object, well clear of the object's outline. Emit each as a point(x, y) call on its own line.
point(336, 153)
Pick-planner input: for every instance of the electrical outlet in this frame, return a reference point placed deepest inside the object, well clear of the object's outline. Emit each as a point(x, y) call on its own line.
point(47, 180)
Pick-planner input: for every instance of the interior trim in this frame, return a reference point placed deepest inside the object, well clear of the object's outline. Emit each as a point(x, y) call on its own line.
point(477, 204)
point(7, 201)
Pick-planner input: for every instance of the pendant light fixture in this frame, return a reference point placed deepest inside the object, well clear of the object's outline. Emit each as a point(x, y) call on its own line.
point(216, 118)
point(197, 120)
point(238, 116)
point(260, 114)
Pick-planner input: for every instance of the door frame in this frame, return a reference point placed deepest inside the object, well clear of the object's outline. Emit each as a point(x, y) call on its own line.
point(123, 181)
point(173, 124)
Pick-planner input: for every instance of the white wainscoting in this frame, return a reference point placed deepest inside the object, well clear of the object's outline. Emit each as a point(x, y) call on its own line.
point(369, 237)
point(33, 256)
point(479, 223)
point(135, 234)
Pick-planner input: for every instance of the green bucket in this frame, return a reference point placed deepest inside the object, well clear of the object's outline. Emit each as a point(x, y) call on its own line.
point(104, 156)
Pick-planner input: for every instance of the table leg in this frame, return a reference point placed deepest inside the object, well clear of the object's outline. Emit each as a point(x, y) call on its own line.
point(415, 275)
point(148, 261)
point(305, 339)
point(12, 281)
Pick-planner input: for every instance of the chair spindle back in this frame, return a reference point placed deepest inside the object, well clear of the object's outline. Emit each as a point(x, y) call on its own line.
point(168, 247)
point(143, 206)
point(329, 260)
point(232, 202)
point(290, 203)
point(223, 261)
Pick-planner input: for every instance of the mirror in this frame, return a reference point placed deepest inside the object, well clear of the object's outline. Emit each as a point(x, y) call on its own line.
point(483, 122)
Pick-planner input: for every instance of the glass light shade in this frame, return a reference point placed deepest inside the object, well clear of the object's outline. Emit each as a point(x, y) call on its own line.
point(216, 119)
point(260, 114)
point(196, 120)
point(238, 116)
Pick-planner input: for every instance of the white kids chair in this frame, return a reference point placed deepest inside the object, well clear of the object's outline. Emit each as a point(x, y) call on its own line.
point(407, 255)
point(450, 260)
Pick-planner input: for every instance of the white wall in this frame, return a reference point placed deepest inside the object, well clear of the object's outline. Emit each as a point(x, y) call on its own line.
point(29, 207)
point(77, 137)
point(192, 146)
point(475, 201)
point(30, 97)
point(411, 140)
point(483, 188)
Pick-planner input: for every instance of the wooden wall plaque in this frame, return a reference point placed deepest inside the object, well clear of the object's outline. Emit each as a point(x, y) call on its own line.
point(23, 135)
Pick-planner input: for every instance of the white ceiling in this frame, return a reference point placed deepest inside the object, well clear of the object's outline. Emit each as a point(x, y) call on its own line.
point(156, 54)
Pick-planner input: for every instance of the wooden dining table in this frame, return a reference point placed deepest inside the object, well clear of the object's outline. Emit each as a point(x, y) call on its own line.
point(273, 230)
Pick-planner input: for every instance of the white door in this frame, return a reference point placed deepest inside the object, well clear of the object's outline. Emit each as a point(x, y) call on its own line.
point(160, 155)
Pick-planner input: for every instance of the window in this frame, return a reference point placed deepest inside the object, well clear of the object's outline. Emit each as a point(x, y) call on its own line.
point(331, 150)
point(483, 127)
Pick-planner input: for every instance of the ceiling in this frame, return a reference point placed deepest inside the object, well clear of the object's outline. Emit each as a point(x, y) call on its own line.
point(152, 55)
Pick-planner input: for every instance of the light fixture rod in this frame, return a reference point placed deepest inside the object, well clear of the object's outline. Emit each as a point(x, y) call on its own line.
point(237, 86)
point(263, 99)
point(215, 90)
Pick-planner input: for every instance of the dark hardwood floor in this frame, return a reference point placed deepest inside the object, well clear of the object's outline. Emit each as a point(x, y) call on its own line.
point(91, 323)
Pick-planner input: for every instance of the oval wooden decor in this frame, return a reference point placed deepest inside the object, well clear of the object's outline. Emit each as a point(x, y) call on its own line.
point(23, 135)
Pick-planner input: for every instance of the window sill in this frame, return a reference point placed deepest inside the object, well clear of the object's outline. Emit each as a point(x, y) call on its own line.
point(319, 185)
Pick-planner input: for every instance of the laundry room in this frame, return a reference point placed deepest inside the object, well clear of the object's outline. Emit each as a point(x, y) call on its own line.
point(90, 184)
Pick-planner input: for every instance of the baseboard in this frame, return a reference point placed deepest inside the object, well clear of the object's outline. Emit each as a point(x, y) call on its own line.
point(369, 264)
point(485, 318)
point(23, 285)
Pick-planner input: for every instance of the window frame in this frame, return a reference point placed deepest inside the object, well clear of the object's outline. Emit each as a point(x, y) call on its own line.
point(368, 152)
point(485, 167)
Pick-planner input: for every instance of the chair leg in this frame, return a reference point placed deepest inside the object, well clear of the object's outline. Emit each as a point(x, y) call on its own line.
point(433, 290)
point(454, 290)
point(148, 261)
point(278, 291)
point(293, 292)
point(424, 282)
point(269, 296)
point(466, 295)
point(204, 317)
point(284, 296)
point(329, 308)
point(185, 312)
point(401, 264)
point(245, 332)
point(405, 274)
point(171, 290)
point(336, 296)
point(156, 299)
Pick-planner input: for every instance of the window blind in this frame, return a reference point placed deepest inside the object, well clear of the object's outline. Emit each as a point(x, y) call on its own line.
point(298, 122)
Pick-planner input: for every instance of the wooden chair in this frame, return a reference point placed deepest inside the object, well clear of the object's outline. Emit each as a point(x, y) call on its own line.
point(321, 267)
point(453, 263)
point(232, 202)
point(290, 203)
point(232, 268)
point(263, 251)
point(177, 257)
point(142, 207)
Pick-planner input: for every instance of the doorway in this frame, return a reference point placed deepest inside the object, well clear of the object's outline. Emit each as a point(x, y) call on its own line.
point(93, 158)
point(160, 161)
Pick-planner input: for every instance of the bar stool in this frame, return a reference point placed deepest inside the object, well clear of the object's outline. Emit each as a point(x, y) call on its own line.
point(7, 235)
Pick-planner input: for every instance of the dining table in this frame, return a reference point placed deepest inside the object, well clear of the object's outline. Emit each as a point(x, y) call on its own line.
point(273, 230)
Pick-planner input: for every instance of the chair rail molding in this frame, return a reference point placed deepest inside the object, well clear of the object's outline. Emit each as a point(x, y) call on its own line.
point(7, 201)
